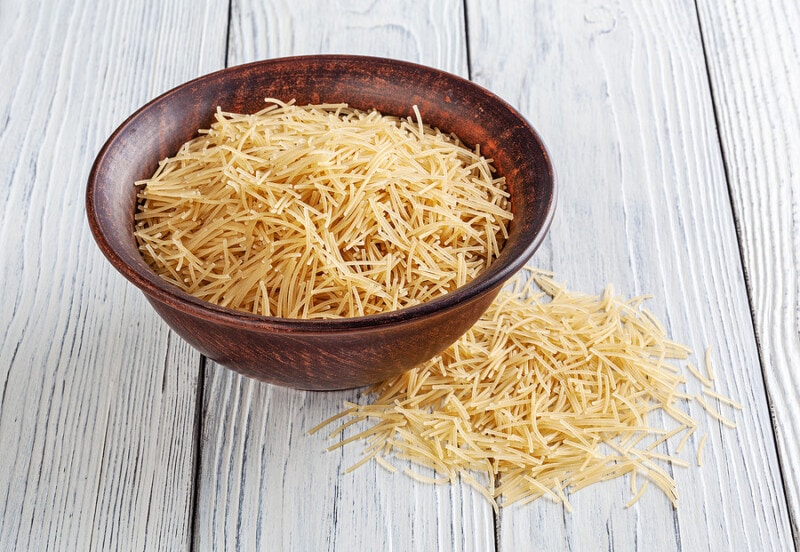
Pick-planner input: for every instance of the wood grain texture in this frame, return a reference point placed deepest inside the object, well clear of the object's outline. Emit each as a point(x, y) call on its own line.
point(264, 482)
point(97, 403)
point(752, 54)
point(620, 95)
point(431, 33)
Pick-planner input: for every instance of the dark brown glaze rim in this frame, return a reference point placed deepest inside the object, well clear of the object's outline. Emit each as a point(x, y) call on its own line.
point(149, 282)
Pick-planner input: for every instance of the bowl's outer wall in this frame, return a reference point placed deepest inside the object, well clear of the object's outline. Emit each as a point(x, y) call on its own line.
point(327, 360)
point(447, 102)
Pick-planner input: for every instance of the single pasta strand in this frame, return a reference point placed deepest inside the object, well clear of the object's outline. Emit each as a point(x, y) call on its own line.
point(700, 449)
point(384, 464)
point(638, 495)
point(722, 398)
point(684, 439)
point(696, 373)
point(709, 364)
point(424, 479)
point(722, 419)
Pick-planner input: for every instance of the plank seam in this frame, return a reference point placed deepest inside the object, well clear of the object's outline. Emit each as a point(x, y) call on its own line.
point(99, 496)
point(201, 380)
point(497, 517)
point(466, 40)
point(498, 520)
point(750, 305)
point(197, 452)
point(228, 32)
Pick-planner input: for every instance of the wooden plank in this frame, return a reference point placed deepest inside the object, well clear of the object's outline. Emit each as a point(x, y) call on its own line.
point(431, 33)
point(264, 482)
point(751, 50)
point(97, 401)
point(620, 94)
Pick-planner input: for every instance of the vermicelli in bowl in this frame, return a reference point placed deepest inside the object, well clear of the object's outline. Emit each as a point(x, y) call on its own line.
point(321, 211)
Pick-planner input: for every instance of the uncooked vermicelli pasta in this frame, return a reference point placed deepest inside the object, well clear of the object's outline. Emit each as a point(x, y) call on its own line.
point(549, 392)
point(321, 211)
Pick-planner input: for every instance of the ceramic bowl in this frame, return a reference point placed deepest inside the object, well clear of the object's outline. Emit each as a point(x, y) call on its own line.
point(336, 353)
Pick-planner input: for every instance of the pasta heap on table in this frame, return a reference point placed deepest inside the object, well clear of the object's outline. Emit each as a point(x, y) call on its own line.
point(549, 392)
point(321, 211)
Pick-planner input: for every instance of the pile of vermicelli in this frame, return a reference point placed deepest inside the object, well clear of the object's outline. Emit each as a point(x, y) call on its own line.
point(548, 393)
point(321, 211)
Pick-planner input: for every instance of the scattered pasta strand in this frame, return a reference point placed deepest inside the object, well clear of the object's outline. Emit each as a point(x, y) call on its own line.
point(700, 449)
point(637, 496)
point(549, 392)
point(321, 211)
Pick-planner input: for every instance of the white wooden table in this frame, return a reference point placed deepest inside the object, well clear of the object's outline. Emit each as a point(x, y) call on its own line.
point(675, 132)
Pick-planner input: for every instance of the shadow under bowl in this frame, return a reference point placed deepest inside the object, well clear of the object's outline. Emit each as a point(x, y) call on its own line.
point(336, 353)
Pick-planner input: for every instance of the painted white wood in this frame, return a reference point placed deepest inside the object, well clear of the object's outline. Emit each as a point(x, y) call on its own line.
point(265, 483)
point(619, 91)
point(97, 400)
point(752, 55)
point(431, 33)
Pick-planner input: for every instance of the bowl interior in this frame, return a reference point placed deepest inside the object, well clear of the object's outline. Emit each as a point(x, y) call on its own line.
point(445, 101)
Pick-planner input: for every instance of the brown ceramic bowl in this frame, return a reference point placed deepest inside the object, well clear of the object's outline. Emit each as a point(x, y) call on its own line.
point(337, 353)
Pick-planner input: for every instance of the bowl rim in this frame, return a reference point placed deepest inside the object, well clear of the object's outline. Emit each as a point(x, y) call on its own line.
point(154, 287)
